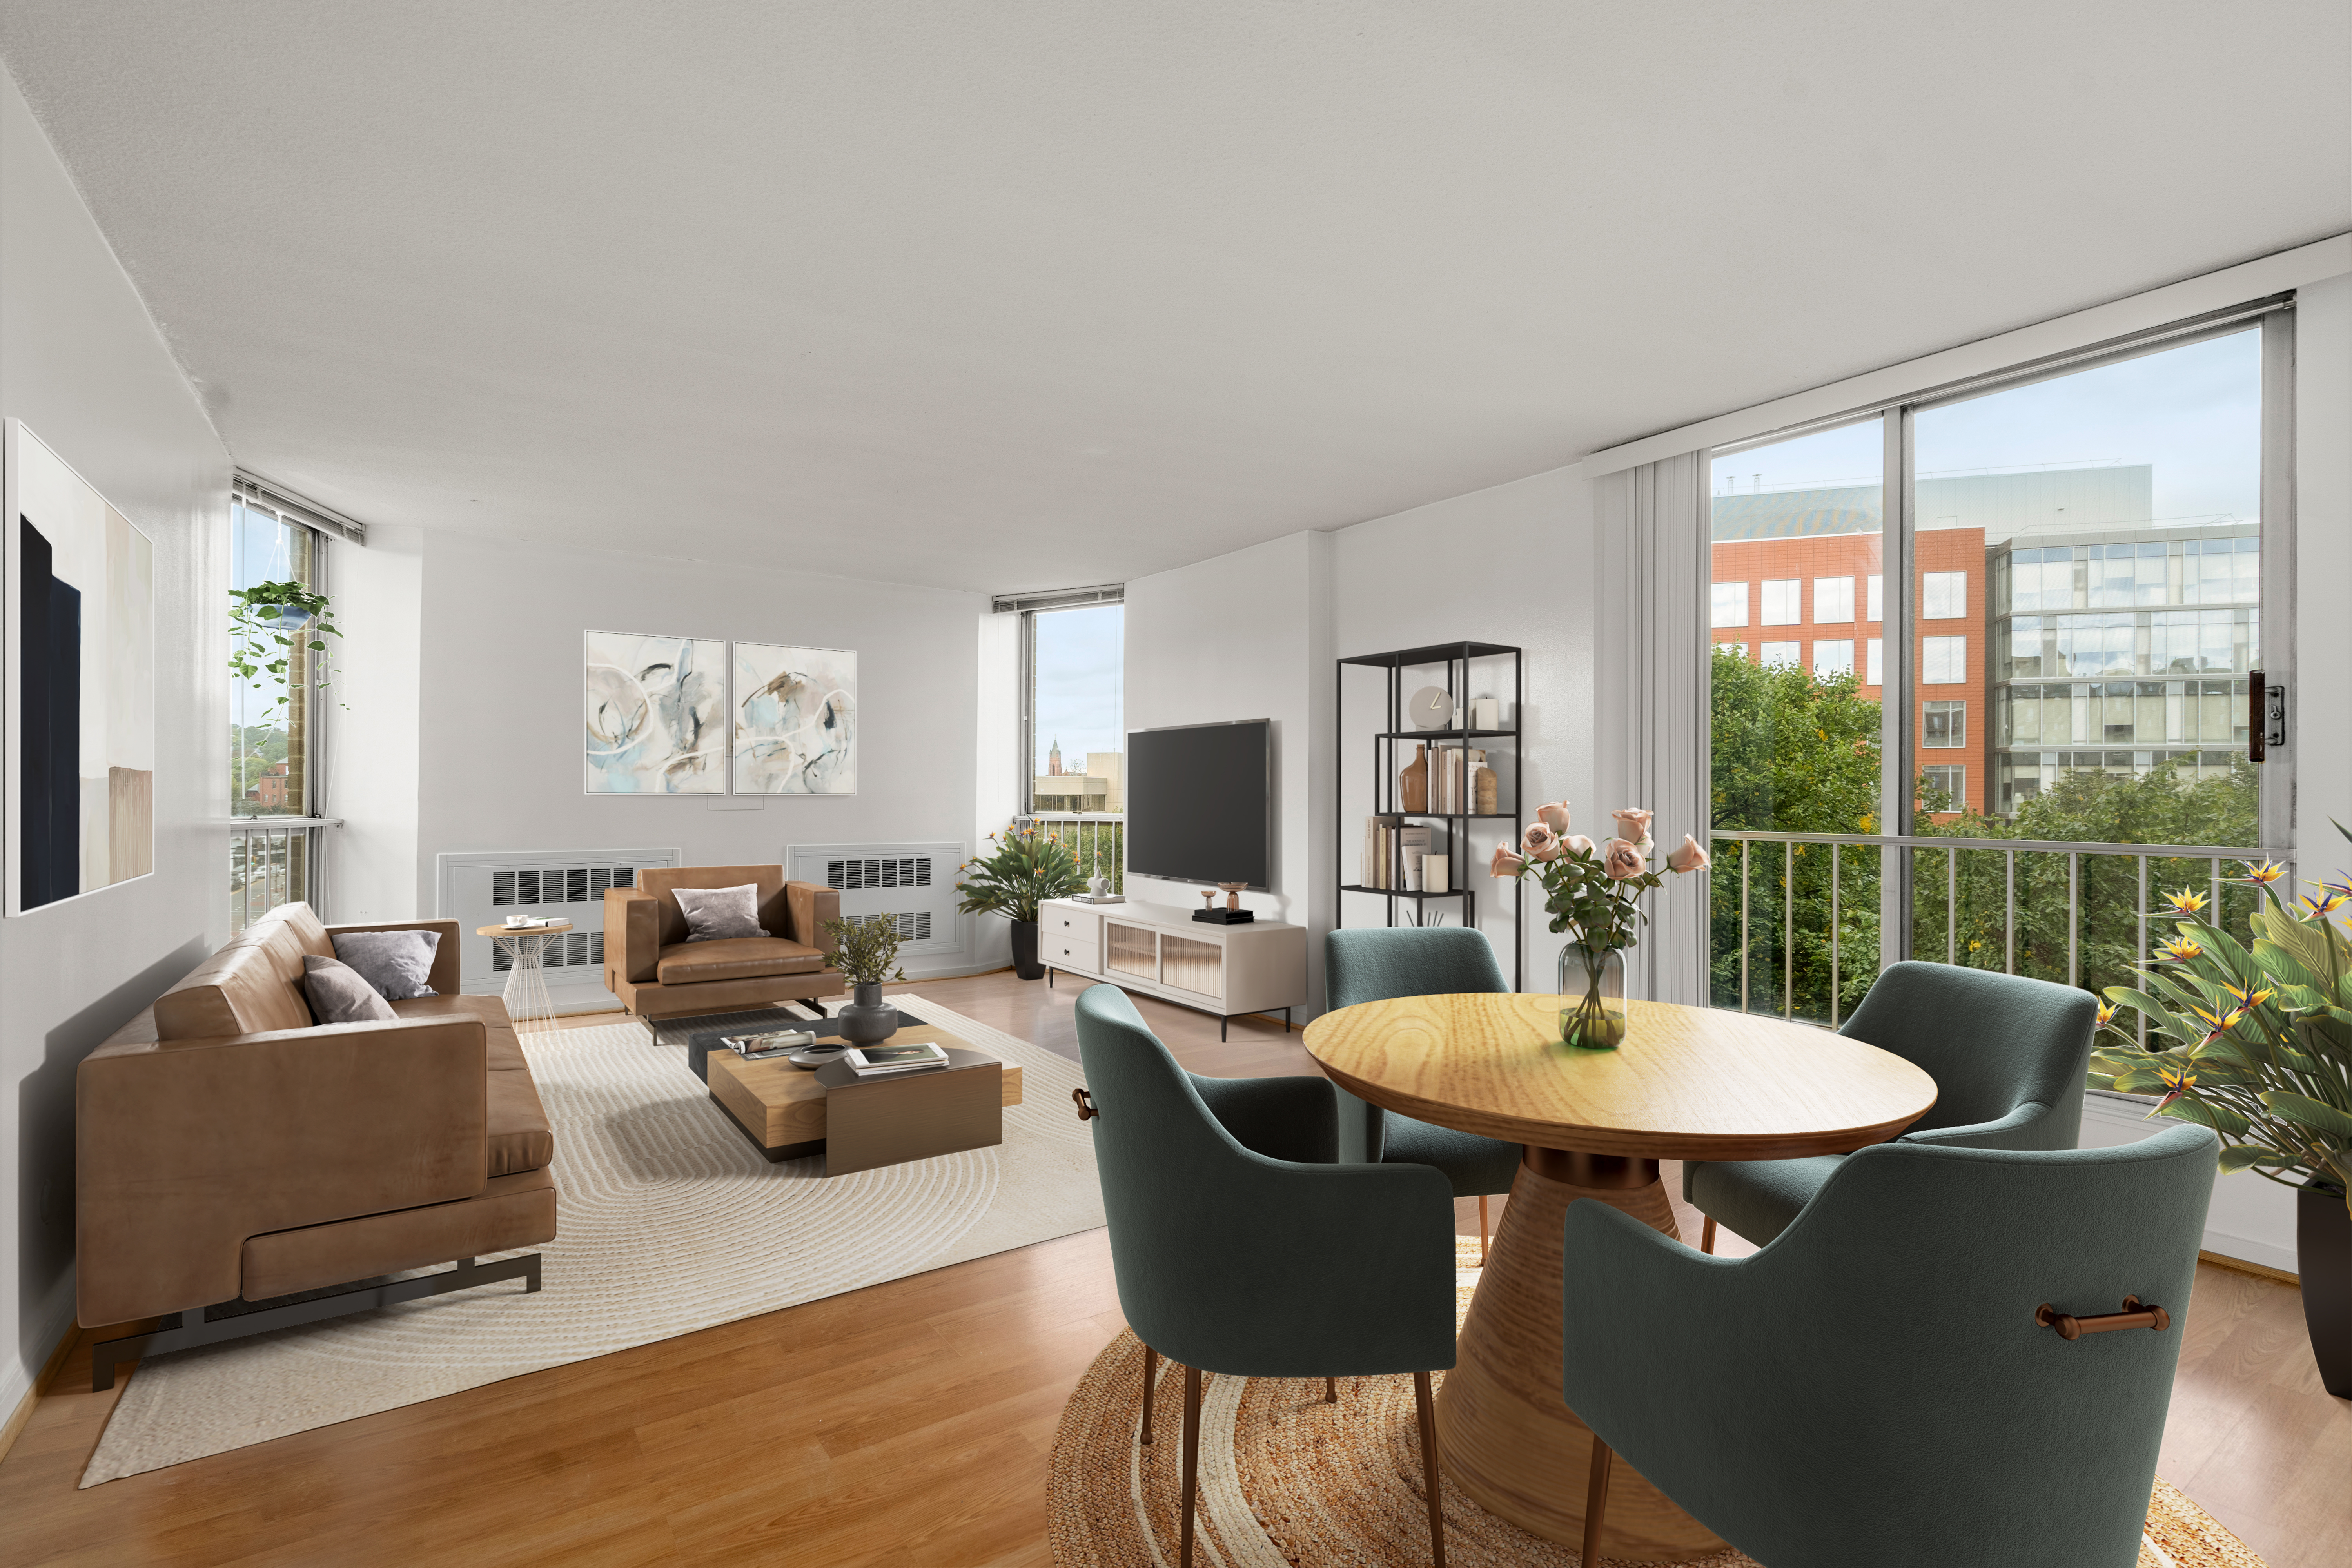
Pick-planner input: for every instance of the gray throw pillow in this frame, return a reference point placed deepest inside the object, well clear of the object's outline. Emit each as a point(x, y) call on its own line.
point(714, 914)
point(339, 994)
point(398, 964)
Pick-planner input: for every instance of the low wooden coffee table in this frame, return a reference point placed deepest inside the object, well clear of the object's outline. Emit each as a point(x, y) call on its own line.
point(857, 1124)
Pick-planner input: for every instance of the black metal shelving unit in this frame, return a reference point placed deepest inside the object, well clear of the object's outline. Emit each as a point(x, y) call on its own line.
point(1455, 659)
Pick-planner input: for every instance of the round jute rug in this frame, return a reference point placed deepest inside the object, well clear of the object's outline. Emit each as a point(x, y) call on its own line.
point(1288, 1481)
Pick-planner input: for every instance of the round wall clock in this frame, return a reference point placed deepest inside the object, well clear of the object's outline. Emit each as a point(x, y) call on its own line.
point(1432, 707)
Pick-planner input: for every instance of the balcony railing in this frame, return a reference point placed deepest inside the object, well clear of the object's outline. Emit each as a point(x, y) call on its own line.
point(273, 860)
point(1957, 906)
point(1093, 838)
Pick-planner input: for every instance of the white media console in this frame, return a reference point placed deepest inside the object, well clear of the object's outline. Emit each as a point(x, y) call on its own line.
point(1153, 949)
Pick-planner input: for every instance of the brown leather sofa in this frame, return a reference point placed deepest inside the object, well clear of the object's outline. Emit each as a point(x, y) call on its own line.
point(227, 1147)
point(657, 973)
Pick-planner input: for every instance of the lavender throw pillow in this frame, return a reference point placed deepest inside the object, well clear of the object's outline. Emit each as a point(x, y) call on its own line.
point(337, 995)
point(714, 914)
point(398, 964)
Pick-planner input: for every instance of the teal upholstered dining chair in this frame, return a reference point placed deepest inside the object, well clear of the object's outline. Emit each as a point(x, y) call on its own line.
point(1240, 1246)
point(1373, 965)
point(2008, 1056)
point(1878, 1384)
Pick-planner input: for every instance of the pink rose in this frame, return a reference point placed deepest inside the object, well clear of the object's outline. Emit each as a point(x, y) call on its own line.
point(1577, 843)
point(1689, 858)
point(1554, 815)
point(1632, 827)
point(1621, 861)
point(1541, 843)
point(1505, 863)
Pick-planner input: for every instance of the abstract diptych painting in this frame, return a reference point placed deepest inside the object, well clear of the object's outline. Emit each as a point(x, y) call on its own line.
point(80, 656)
point(656, 719)
point(796, 720)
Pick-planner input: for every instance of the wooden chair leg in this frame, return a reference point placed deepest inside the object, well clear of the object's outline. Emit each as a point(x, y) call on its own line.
point(1330, 1391)
point(1428, 1414)
point(1482, 1229)
point(1150, 1379)
point(1596, 1502)
point(1707, 1235)
point(1192, 1458)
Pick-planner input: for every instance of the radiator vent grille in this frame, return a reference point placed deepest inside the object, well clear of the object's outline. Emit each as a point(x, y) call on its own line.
point(910, 885)
point(482, 888)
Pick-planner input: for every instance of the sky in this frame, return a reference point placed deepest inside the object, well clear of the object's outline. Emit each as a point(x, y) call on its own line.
point(1081, 680)
point(2193, 413)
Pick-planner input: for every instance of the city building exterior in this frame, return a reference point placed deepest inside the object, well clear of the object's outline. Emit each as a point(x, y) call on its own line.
point(1100, 790)
point(2061, 627)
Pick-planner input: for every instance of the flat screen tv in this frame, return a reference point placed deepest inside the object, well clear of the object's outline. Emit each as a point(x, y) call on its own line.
point(1198, 802)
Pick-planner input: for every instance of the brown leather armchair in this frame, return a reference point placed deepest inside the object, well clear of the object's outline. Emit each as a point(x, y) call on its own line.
point(227, 1148)
point(657, 973)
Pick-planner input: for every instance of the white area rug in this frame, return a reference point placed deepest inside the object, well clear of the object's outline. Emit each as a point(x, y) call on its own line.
point(669, 1221)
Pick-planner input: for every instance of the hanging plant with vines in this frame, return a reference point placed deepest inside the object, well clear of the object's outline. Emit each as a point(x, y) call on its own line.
point(267, 623)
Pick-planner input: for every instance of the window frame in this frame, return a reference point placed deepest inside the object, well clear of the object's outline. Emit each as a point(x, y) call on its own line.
point(1029, 608)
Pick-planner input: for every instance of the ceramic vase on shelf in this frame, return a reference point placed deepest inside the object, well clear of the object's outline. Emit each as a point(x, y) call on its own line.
point(1412, 783)
point(1484, 790)
point(865, 1017)
point(1592, 982)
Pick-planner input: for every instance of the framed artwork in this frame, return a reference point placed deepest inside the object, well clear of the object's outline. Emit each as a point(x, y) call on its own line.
point(795, 722)
point(655, 714)
point(79, 649)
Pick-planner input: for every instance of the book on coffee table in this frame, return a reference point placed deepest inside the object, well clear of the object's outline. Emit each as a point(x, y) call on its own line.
point(873, 1061)
point(775, 1042)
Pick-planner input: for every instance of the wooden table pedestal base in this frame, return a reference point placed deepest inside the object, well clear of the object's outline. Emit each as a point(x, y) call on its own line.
point(1504, 1433)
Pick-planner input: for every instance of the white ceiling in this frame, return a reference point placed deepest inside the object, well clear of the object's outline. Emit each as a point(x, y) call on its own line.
point(1017, 295)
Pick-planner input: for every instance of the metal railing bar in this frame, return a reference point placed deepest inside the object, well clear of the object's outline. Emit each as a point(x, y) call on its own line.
point(1745, 855)
point(2140, 1018)
point(1952, 906)
point(1834, 849)
point(2046, 846)
point(2075, 919)
point(1788, 930)
point(2215, 897)
point(2008, 914)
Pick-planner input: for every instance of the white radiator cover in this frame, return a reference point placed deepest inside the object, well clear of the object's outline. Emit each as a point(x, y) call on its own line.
point(480, 888)
point(912, 883)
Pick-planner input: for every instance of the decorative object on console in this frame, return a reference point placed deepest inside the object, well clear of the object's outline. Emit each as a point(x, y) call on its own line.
point(338, 994)
point(398, 964)
point(1028, 865)
point(720, 914)
point(1595, 892)
point(2238, 1037)
point(80, 661)
point(652, 713)
point(796, 720)
point(1412, 783)
point(1233, 891)
point(866, 951)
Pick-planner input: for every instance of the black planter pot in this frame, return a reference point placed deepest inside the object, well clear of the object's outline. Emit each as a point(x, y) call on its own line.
point(1024, 951)
point(866, 1018)
point(2323, 1258)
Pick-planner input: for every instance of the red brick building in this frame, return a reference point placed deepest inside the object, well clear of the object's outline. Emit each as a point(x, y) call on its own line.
point(1798, 579)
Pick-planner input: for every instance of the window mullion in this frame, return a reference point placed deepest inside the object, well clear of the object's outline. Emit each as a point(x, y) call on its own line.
point(1896, 697)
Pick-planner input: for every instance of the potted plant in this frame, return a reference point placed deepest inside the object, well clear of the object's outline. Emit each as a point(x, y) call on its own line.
point(2255, 1042)
point(866, 952)
point(1026, 867)
point(1594, 893)
point(264, 622)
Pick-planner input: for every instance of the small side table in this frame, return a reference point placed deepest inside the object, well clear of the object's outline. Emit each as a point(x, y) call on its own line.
point(526, 992)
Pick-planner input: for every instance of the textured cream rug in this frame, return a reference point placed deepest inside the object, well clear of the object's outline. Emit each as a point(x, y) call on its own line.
point(669, 1221)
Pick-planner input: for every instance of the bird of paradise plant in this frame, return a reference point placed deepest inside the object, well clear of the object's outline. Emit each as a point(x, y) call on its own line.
point(2253, 1040)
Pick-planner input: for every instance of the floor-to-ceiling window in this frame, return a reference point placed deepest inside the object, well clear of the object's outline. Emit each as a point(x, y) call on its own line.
point(1074, 737)
point(273, 784)
point(1997, 765)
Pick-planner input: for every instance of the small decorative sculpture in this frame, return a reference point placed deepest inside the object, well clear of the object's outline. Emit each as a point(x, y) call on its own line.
point(1208, 898)
point(1233, 893)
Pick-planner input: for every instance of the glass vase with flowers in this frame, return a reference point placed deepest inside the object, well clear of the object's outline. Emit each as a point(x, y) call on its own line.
point(1593, 892)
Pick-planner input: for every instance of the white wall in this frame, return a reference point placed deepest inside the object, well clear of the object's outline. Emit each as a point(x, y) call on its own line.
point(1249, 635)
point(84, 367)
point(1509, 564)
point(997, 765)
point(373, 727)
point(499, 753)
point(2320, 713)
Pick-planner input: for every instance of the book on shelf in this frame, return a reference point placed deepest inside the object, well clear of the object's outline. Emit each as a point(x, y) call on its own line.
point(1412, 844)
point(879, 1061)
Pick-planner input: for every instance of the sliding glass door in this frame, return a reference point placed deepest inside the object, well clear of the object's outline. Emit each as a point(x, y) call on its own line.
point(1987, 723)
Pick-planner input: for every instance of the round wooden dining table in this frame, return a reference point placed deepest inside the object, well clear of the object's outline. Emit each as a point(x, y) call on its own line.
point(1689, 1083)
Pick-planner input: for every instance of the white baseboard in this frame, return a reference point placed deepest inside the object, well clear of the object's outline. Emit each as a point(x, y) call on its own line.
point(2252, 1218)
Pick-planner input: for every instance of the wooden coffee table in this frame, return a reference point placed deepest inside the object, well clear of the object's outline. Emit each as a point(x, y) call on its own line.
point(857, 1124)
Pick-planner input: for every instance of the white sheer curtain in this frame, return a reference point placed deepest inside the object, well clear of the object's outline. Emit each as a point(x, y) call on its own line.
point(1650, 668)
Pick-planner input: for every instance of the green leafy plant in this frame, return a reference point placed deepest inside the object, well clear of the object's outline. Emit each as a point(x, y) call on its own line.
point(267, 624)
point(867, 951)
point(2254, 1041)
point(1026, 867)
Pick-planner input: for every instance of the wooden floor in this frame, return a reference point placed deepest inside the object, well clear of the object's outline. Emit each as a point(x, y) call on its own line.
point(912, 1423)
